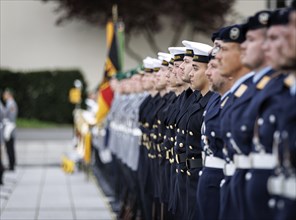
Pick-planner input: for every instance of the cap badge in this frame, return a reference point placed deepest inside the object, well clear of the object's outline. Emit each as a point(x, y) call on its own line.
point(263, 18)
point(234, 33)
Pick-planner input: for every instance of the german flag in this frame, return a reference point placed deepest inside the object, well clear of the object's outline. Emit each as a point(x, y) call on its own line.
point(113, 64)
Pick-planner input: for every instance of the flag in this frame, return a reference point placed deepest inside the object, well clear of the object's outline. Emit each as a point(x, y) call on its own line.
point(113, 64)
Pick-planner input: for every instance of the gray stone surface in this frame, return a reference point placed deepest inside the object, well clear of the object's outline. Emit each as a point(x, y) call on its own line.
point(17, 214)
point(39, 189)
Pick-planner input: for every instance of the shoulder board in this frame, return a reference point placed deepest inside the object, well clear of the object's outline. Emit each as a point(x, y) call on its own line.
point(241, 90)
point(263, 82)
point(289, 80)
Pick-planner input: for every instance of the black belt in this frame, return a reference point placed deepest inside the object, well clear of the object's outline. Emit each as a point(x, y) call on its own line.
point(181, 158)
point(194, 163)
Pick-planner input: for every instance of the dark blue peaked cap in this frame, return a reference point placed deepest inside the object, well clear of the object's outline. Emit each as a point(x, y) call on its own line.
point(216, 35)
point(279, 17)
point(259, 20)
point(233, 34)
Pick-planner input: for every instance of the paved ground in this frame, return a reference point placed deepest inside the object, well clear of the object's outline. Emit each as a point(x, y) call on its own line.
point(39, 189)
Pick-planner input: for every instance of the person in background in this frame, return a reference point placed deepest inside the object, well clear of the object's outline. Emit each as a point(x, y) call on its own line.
point(1, 141)
point(9, 121)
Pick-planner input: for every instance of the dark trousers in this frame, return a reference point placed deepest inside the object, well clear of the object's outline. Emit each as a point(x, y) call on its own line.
point(208, 193)
point(10, 152)
point(227, 208)
point(1, 168)
point(237, 191)
point(257, 196)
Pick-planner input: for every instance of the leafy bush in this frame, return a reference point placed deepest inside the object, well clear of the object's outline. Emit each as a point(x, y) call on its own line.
point(43, 95)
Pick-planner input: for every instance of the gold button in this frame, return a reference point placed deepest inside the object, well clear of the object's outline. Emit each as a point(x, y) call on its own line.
point(159, 122)
point(192, 158)
point(181, 145)
point(159, 134)
point(164, 137)
point(190, 147)
point(171, 126)
point(177, 171)
point(182, 171)
point(172, 139)
point(159, 155)
point(175, 138)
point(191, 133)
point(188, 173)
point(178, 130)
point(175, 125)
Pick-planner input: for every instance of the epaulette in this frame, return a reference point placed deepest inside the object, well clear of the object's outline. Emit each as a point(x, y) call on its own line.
point(263, 82)
point(241, 90)
point(289, 80)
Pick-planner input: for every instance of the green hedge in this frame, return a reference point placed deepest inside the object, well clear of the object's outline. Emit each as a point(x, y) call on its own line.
point(43, 95)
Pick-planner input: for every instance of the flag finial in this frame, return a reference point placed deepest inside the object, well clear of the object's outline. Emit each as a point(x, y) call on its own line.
point(115, 13)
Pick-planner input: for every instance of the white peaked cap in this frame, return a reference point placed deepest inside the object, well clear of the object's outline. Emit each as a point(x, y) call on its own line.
point(198, 48)
point(156, 63)
point(177, 50)
point(164, 56)
point(148, 63)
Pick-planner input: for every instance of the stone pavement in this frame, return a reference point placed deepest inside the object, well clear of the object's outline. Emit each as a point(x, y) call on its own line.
point(39, 189)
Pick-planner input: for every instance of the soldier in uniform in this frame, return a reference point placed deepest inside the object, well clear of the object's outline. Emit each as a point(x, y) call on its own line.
point(208, 191)
point(143, 168)
point(288, 121)
point(200, 85)
point(178, 183)
point(175, 85)
point(229, 65)
point(244, 115)
point(271, 119)
point(242, 127)
point(160, 88)
point(169, 97)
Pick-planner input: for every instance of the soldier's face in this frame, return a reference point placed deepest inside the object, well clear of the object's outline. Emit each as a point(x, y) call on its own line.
point(289, 49)
point(147, 83)
point(136, 83)
point(198, 79)
point(216, 81)
point(170, 77)
point(177, 74)
point(186, 68)
point(161, 78)
point(252, 54)
point(273, 45)
point(228, 59)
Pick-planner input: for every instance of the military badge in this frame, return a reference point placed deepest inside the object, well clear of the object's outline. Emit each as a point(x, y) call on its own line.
point(234, 33)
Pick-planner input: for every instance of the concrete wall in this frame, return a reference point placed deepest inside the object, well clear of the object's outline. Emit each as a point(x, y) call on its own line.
point(29, 39)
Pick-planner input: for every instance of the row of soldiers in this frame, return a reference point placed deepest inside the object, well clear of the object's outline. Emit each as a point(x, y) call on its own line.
point(209, 132)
